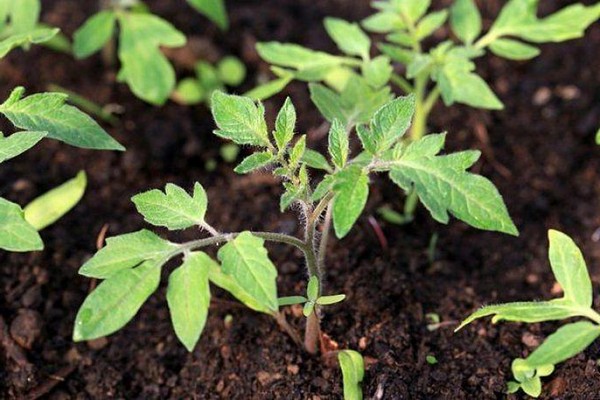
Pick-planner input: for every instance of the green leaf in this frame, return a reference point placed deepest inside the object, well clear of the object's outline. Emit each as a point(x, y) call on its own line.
point(397, 53)
point(189, 91)
point(174, 209)
point(308, 64)
point(351, 188)
point(291, 300)
point(535, 311)
point(312, 288)
point(353, 372)
point(339, 144)
point(213, 10)
point(348, 37)
point(125, 252)
point(465, 20)
point(116, 301)
point(377, 71)
point(459, 85)
point(35, 36)
point(47, 112)
point(569, 269)
point(245, 259)
point(568, 341)
point(269, 89)
point(383, 22)
point(316, 160)
point(16, 234)
point(239, 119)
point(430, 24)
point(49, 207)
point(188, 296)
point(513, 49)
point(328, 300)
point(231, 71)
point(18, 143)
point(24, 15)
point(254, 161)
point(308, 308)
point(443, 186)
point(598, 137)
point(144, 67)
point(285, 124)
point(94, 34)
point(388, 125)
point(532, 387)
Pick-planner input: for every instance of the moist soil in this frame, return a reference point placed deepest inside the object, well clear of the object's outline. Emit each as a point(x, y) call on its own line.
point(539, 152)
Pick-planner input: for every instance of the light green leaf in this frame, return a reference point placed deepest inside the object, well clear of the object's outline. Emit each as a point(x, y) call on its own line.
point(144, 67)
point(213, 10)
point(353, 372)
point(569, 269)
point(533, 386)
point(308, 64)
point(535, 311)
point(513, 49)
point(189, 91)
point(24, 15)
point(397, 53)
point(269, 89)
point(459, 85)
point(568, 341)
point(49, 207)
point(16, 234)
point(94, 34)
point(47, 112)
point(465, 20)
point(245, 259)
point(443, 186)
point(231, 71)
point(339, 144)
point(188, 296)
point(35, 36)
point(351, 188)
point(328, 300)
point(377, 71)
point(291, 300)
point(239, 119)
point(125, 252)
point(598, 137)
point(308, 308)
point(388, 125)
point(254, 161)
point(18, 143)
point(285, 124)
point(430, 24)
point(348, 37)
point(174, 209)
point(316, 160)
point(312, 288)
point(384, 22)
point(116, 301)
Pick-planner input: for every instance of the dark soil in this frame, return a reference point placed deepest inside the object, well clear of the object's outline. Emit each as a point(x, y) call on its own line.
point(539, 151)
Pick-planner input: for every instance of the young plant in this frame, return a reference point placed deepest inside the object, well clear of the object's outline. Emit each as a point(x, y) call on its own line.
point(40, 116)
point(230, 71)
point(569, 340)
point(130, 265)
point(144, 67)
point(353, 372)
point(445, 69)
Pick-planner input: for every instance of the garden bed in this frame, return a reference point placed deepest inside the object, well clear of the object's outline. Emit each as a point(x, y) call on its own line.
point(539, 152)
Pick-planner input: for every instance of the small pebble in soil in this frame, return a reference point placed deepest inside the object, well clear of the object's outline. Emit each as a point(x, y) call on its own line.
point(362, 343)
point(266, 378)
point(530, 340)
point(293, 369)
point(26, 328)
point(97, 344)
point(542, 96)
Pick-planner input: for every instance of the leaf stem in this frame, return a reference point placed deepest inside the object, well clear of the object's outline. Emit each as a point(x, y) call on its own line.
point(402, 83)
point(225, 237)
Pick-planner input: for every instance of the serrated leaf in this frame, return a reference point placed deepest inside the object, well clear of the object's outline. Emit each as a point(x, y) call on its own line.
point(459, 85)
point(377, 71)
point(353, 372)
point(390, 123)
point(316, 160)
point(116, 301)
point(52, 205)
point(94, 34)
point(144, 67)
point(348, 37)
point(430, 24)
point(125, 252)
point(339, 144)
point(239, 119)
point(297, 151)
point(323, 188)
point(513, 49)
point(47, 112)
point(254, 161)
point(444, 186)
point(214, 10)
point(328, 300)
point(285, 124)
point(16, 234)
point(568, 341)
point(465, 20)
point(188, 296)
point(351, 188)
point(245, 259)
point(569, 269)
point(174, 209)
point(18, 143)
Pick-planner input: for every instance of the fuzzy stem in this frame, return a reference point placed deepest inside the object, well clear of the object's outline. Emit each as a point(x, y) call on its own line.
point(324, 239)
point(287, 328)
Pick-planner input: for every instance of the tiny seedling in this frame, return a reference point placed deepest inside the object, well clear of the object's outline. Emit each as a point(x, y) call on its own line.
point(353, 373)
point(230, 71)
point(354, 85)
point(130, 264)
point(40, 116)
point(571, 273)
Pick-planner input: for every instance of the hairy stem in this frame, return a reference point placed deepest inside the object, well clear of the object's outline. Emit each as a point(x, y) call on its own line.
point(324, 239)
point(224, 237)
point(287, 328)
point(312, 333)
